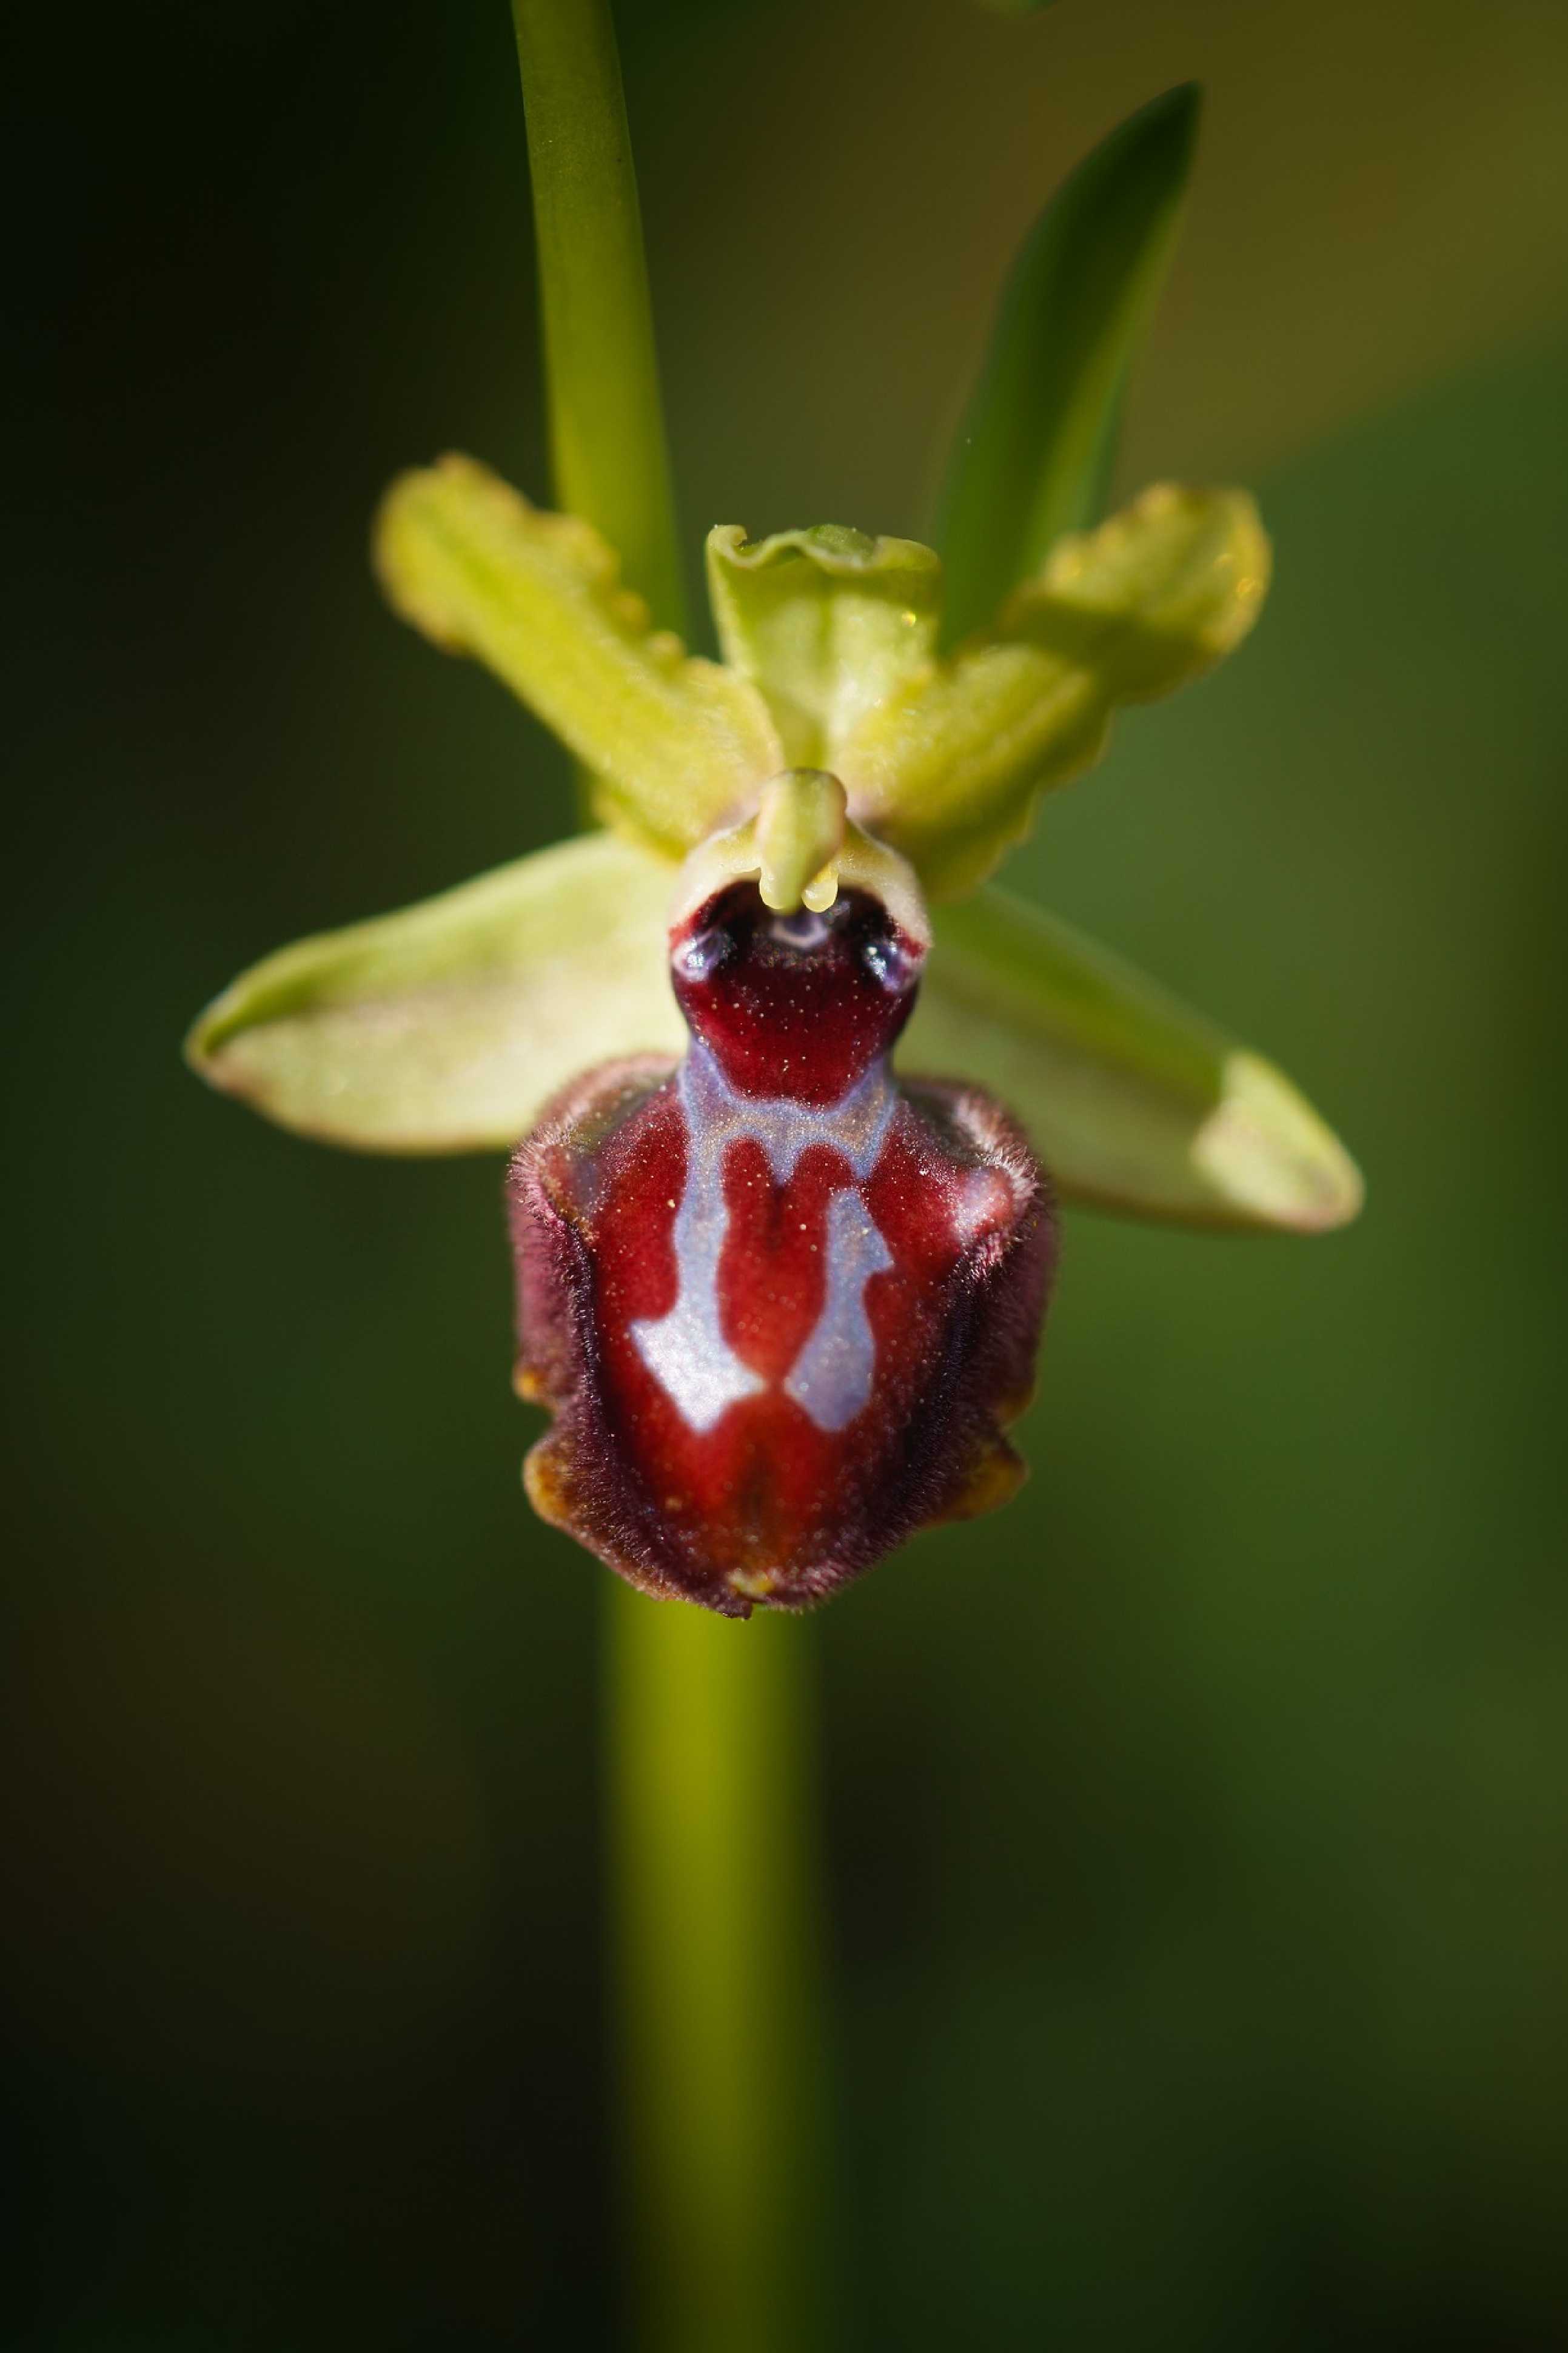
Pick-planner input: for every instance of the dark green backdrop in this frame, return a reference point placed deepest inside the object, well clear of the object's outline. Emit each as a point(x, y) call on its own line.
point(1198, 1826)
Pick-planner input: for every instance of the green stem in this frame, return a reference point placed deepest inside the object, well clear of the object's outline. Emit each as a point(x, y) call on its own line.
point(718, 1946)
point(717, 1937)
point(607, 446)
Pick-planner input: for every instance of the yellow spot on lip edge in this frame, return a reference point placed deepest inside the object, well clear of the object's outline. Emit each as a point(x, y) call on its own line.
point(751, 1584)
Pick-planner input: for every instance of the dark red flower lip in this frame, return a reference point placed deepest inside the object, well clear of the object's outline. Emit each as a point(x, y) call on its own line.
point(795, 1005)
point(781, 1305)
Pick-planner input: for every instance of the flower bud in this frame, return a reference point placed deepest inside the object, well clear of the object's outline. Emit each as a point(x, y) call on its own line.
point(779, 1303)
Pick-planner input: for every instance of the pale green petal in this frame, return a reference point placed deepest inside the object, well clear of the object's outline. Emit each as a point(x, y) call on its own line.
point(1131, 1100)
point(1155, 596)
point(677, 744)
point(446, 1026)
point(950, 768)
point(827, 623)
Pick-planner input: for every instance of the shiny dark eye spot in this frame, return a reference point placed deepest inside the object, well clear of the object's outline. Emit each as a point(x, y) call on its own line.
point(699, 958)
point(887, 963)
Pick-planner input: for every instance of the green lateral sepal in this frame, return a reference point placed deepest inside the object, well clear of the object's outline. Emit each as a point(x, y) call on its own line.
point(1132, 1100)
point(448, 1026)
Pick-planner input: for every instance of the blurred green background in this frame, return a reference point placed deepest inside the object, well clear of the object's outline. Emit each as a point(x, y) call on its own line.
point(1198, 1827)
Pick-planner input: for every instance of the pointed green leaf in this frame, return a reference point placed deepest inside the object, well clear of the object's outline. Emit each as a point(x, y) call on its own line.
point(1131, 1100)
point(950, 768)
point(825, 623)
point(677, 744)
point(1033, 450)
point(446, 1026)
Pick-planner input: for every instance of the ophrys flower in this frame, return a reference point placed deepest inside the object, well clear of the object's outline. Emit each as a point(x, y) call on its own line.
point(782, 1299)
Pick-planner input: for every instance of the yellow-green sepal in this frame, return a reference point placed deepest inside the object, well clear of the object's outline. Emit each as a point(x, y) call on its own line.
point(949, 767)
point(448, 1026)
point(677, 745)
point(1131, 1101)
point(825, 623)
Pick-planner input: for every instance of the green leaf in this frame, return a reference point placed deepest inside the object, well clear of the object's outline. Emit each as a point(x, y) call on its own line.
point(1033, 452)
point(677, 745)
point(825, 623)
point(447, 1027)
point(948, 769)
point(1131, 1101)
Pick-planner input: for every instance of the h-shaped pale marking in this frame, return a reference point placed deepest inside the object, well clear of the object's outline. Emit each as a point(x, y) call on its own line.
point(686, 1351)
point(832, 1376)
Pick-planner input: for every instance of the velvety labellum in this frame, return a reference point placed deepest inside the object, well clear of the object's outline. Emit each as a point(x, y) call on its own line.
point(780, 1302)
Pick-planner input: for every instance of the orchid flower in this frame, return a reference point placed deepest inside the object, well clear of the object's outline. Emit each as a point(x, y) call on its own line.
point(782, 1300)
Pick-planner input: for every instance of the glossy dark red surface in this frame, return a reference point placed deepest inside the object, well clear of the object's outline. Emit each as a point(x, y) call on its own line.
point(794, 1005)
